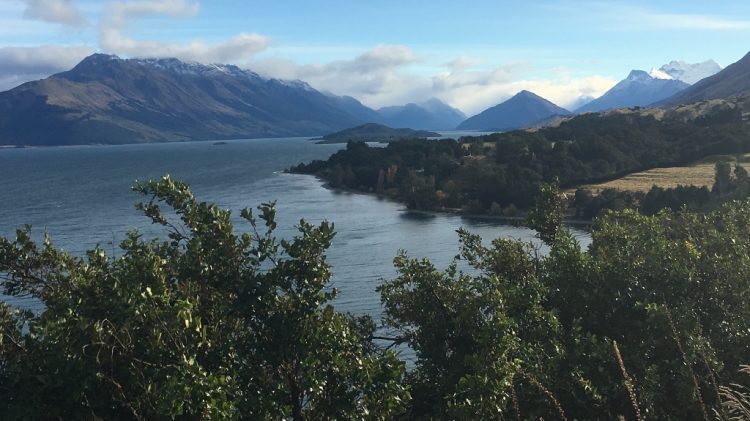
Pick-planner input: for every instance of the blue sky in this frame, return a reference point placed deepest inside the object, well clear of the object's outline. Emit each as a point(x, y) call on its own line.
point(469, 54)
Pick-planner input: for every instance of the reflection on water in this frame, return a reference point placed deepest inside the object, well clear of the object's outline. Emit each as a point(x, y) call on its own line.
point(417, 216)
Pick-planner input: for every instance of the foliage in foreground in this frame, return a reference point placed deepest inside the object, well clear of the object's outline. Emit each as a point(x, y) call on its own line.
point(652, 322)
point(206, 325)
point(645, 325)
point(736, 399)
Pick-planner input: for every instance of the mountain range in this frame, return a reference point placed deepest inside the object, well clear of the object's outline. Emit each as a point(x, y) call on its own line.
point(522, 110)
point(106, 99)
point(643, 88)
point(690, 73)
point(640, 88)
point(734, 80)
point(431, 115)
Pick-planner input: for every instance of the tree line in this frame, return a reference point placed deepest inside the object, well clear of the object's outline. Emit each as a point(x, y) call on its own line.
point(499, 173)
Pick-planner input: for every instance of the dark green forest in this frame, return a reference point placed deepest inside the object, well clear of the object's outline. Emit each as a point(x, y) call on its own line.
point(499, 173)
point(219, 322)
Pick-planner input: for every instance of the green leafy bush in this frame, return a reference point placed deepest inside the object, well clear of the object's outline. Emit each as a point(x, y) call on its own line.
point(651, 322)
point(208, 324)
point(645, 324)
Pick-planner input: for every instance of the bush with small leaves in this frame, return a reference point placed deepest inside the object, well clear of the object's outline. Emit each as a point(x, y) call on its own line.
point(206, 324)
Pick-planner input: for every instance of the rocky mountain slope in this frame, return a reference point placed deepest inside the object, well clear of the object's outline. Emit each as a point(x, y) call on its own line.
point(109, 100)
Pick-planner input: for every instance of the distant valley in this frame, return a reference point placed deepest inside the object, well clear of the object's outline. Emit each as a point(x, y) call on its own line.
point(431, 115)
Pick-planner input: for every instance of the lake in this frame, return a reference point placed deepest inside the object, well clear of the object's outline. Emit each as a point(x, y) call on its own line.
point(82, 196)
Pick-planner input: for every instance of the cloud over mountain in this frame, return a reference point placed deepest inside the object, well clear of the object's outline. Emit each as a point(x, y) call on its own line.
point(473, 90)
point(382, 75)
point(385, 76)
point(373, 76)
point(119, 16)
point(21, 64)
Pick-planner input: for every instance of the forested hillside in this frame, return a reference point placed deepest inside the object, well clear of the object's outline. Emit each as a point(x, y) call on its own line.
point(500, 172)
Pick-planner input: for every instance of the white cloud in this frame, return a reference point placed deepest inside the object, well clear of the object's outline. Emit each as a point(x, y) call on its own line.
point(238, 49)
point(382, 77)
point(120, 13)
point(687, 21)
point(63, 12)
point(475, 90)
point(373, 77)
point(383, 57)
point(462, 63)
point(21, 64)
point(619, 15)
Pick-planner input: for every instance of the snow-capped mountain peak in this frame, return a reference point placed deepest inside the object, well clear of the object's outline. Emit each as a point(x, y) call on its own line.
point(638, 76)
point(635, 78)
point(690, 72)
point(659, 74)
point(194, 68)
point(640, 88)
point(296, 83)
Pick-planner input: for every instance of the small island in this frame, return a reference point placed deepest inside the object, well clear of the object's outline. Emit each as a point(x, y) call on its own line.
point(373, 132)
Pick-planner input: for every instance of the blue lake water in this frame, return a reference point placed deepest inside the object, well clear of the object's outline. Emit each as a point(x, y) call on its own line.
point(82, 197)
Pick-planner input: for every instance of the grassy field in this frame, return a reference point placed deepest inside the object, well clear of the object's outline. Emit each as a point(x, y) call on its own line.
point(699, 174)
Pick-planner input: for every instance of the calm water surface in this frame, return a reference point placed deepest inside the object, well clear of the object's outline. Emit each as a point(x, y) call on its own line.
point(82, 197)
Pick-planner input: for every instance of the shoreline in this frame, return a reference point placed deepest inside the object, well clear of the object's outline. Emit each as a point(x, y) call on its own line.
point(512, 220)
point(161, 142)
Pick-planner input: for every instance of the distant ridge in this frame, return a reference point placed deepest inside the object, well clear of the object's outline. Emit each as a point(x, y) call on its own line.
point(522, 110)
point(433, 114)
point(733, 81)
point(106, 99)
point(690, 73)
point(640, 88)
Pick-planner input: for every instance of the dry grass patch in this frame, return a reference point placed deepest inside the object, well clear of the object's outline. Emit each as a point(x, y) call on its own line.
point(697, 175)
